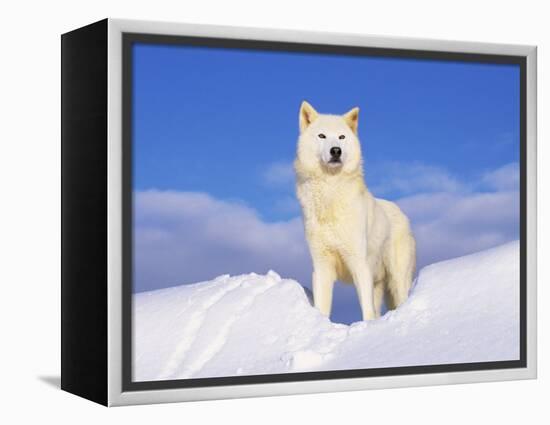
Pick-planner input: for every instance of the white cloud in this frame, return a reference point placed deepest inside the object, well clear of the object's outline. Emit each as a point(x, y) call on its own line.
point(279, 173)
point(450, 225)
point(503, 178)
point(184, 237)
point(408, 178)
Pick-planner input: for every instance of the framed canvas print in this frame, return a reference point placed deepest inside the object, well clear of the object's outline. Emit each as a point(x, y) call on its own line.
point(251, 212)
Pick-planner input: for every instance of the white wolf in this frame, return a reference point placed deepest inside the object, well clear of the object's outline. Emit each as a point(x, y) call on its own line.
point(352, 236)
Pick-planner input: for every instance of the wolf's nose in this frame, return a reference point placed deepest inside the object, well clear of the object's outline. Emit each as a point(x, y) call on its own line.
point(335, 152)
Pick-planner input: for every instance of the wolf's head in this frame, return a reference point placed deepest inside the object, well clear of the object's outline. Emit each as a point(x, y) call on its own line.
point(328, 143)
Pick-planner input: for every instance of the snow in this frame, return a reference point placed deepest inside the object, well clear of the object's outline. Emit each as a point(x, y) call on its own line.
point(460, 310)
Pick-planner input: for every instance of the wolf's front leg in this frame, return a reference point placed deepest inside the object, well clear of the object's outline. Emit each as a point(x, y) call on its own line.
point(362, 277)
point(323, 282)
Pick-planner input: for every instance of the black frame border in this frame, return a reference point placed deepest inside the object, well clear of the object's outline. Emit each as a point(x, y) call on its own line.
point(84, 186)
point(129, 39)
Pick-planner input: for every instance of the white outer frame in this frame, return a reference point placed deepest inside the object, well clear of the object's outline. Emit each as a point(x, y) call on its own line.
point(114, 222)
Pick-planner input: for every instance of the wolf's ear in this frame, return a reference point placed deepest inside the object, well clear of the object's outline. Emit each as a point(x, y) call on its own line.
point(352, 119)
point(307, 115)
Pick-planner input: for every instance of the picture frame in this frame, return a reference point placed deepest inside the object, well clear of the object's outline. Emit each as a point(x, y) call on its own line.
point(97, 233)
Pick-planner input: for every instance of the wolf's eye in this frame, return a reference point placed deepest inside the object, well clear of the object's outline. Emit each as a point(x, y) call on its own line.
point(322, 136)
point(342, 137)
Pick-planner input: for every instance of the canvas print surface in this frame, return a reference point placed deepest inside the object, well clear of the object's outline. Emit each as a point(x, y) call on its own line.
point(306, 212)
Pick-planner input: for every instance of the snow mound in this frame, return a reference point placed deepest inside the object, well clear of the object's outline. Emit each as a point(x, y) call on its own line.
point(460, 310)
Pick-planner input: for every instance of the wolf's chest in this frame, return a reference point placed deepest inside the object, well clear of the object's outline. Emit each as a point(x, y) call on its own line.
point(330, 212)
point(332, 222)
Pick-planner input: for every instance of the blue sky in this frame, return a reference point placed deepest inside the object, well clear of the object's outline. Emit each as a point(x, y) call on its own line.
point(223, 124)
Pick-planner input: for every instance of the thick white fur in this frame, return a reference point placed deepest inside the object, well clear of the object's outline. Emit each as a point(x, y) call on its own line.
point(352, 236)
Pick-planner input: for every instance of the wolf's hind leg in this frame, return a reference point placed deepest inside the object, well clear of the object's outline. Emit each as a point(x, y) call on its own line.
point(398, 296)
point(400, 269)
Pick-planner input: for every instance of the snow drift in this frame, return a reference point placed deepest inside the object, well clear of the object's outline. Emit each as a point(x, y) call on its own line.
point(460, 310)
